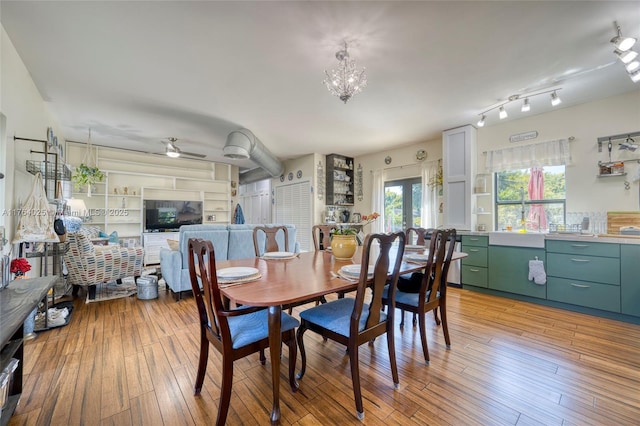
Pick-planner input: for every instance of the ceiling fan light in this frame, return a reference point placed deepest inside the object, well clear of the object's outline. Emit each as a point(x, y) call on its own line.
point(481, 121)
point(526, 107)
point(627, 56)
point(502, 113)
point(632, 66)
point(555, 99)
point(172, 151)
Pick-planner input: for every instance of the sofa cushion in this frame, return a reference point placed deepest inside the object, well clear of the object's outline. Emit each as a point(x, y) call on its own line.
point(217, 234)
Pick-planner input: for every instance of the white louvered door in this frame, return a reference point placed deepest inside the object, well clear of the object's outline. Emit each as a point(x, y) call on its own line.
point(293, 206)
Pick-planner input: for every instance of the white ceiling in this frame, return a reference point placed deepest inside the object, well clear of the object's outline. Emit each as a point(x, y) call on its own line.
point(139, 72)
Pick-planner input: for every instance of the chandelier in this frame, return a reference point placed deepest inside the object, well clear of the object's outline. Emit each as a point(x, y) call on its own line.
point(346, 80)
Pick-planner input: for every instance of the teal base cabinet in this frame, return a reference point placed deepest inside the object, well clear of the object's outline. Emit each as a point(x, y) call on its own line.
point(509, 270)
point(474, 266)
point(630, 279)
point(584, 293)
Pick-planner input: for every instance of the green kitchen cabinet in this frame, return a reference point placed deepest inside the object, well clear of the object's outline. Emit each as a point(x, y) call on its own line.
point(509, 270)
point(630, 279)
point(474, 270)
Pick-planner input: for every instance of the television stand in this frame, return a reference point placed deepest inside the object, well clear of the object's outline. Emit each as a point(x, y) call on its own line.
point(153, 242)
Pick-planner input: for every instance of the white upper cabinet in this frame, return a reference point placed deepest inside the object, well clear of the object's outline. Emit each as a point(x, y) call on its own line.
point(459, 169)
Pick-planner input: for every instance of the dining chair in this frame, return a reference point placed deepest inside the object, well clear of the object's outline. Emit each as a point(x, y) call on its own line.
point(235, 333)
point(353, 322)
point(270, 234)
point(421, 236)
point(322, 236)
point(433, 289)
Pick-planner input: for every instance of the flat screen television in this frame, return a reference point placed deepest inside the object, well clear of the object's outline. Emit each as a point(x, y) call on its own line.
point(170, 215)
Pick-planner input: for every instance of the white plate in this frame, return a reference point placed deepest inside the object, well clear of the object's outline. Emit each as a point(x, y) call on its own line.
point(413, 247)
point(354, 270)
point(236, 272)
point(278, 254)
point(417, 257)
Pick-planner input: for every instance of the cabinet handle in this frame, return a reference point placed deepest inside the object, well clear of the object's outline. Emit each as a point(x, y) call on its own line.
point(474, 250)
point(580, 260)
point(474, 270)
point(579, 245)
point(580, 285)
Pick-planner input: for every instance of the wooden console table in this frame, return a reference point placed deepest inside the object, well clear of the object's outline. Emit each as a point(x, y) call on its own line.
point(17, 301)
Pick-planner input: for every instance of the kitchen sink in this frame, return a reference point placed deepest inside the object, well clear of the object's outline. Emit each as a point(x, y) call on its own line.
point(517, 239)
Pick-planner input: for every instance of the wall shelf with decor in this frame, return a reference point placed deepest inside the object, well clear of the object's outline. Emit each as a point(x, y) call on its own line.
point(340, 180)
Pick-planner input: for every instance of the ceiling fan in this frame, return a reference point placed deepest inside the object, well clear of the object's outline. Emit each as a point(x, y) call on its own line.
point(173, 151)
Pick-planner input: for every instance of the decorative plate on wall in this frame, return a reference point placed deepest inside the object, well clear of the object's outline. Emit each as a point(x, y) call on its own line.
point(421, 155)
point(290, 176)
point(299, 174)
point(281, 178)
point(387, 159)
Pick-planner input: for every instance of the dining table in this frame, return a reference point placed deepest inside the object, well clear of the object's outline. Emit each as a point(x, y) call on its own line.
point(300, 277)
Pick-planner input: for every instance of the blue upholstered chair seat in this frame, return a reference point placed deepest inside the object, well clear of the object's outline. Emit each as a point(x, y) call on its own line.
point(335, 316)
point(410, 299)
point(250, 328)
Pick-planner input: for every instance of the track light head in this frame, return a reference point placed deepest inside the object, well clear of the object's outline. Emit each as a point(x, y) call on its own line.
point(627, 56)
point(502, 113)
point(635, 76)
point(526, 107)
point(555, 99)
point(481, 121)
point(632, 66)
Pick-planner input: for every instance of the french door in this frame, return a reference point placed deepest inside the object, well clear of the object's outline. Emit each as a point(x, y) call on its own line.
point(402, 204)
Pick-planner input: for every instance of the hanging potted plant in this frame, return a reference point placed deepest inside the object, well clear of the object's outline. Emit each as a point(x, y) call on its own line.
point(87, 173)
point(86, 176)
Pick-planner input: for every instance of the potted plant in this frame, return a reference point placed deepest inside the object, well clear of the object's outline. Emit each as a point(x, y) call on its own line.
point(344, 243)
point(86, 176)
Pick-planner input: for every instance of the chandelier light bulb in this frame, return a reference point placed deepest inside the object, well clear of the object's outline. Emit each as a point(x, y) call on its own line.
point(526, 107)
point(481, 121)
point(502, 113)
point(555, 99)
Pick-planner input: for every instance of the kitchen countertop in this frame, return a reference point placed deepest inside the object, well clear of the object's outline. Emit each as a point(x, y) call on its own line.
point(602, 238)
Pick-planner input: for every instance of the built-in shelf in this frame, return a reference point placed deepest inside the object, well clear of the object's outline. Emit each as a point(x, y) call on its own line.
point(612, 175)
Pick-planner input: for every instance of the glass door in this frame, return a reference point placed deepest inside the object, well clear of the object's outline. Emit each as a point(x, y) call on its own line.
point(402, 204)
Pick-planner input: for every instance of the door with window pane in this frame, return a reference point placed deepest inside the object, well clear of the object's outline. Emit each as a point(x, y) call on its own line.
point(402, 204)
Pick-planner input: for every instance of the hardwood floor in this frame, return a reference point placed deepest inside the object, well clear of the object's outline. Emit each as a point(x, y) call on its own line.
point(133, 362)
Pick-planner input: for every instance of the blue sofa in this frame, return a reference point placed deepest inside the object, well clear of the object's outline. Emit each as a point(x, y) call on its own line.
point(229, 242)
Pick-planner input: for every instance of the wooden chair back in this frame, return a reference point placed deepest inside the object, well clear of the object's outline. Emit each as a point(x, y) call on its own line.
point(271, 240)
point(420, 234)
point(322, 236)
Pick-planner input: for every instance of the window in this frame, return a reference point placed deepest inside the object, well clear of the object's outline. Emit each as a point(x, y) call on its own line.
point(402, 204)
point(534, 198)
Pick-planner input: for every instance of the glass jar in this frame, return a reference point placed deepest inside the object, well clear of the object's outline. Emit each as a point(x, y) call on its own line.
point(480, 184)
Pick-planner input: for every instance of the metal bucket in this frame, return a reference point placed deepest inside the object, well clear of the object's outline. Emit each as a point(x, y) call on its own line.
point(147, 287)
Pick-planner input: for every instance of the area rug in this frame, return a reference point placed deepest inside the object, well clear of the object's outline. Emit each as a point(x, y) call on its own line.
point(113, 290)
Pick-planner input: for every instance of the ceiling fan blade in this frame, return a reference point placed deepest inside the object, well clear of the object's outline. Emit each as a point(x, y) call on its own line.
point(192, 154)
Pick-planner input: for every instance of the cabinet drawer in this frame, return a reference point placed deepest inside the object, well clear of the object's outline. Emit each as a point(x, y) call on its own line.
point(584, 293)
point(584, 248)
point(477, 256)
point(475, 240)
point(604, 270)
point(474, 275)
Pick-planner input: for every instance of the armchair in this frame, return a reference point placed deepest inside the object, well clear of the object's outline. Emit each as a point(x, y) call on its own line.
point(89, 265)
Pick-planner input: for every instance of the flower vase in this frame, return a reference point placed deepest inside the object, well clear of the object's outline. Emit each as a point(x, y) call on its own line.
point(343, 247)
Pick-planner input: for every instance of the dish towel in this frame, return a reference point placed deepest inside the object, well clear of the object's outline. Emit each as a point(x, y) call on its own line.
point(536, 272)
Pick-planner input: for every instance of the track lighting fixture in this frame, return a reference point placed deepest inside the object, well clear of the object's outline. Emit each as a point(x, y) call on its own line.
point(526, 105)
point(625, 54)
point(635, 76)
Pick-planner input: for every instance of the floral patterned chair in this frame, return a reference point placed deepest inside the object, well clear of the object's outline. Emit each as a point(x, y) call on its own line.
point(89, 265)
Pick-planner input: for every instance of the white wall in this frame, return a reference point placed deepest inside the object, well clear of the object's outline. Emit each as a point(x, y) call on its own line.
point(27, 116)
point(586, 123)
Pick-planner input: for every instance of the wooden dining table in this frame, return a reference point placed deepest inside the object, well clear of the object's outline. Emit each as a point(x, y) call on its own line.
point(307, 276)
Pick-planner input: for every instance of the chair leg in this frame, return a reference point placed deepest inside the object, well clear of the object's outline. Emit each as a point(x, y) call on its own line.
point(401, 318)
point(291, 343)
point(225, 390)
point(92, 291)
point(303, 355)
point(355, 379)
point(423, 337)
point(445, 328)
point(415, 319)
point(202, 363)
point(263, 359)
point(435, 315)
point(392, 357)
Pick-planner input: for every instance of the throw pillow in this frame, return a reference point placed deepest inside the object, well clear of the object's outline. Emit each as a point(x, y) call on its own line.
point(113, 237)
point(174, 244)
